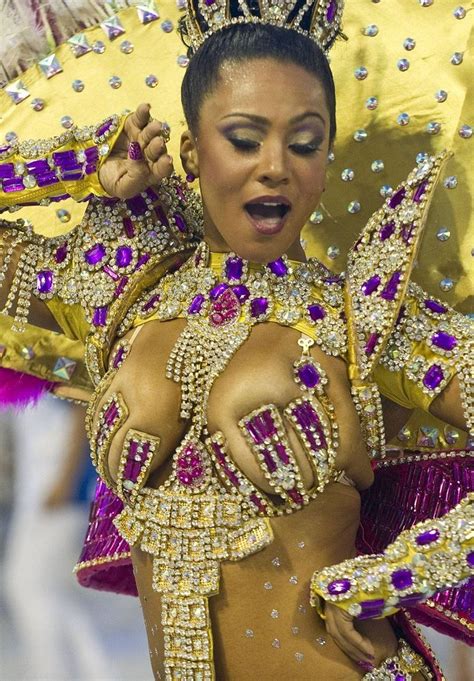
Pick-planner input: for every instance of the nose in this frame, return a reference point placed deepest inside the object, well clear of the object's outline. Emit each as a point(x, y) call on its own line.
point(273, 164)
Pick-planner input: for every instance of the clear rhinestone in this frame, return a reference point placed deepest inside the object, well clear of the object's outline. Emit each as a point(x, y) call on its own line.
point(115, 82)
point(295, 631)
point(126, 47)
point(11, 137)
point(371, 103)
point(433, 128)
point(293, 579)
point(299, 657)
point(377, 166)
point(353, 207)
point(37, 104)
point(249, 633)
point(347, 175)
point(302, 609)
point(276, 643)
point(276, 562)
point(451, 182)
point(465, 131)
point(426, 3)
point(409, 44)
point(321, 641)
point(459, 12)
point(446, 284)
point(29, 181)
point(403, 119)
point(274, 614)
point(370, 30)
point(422, 156)
point(301, 544)
point(403, 64)
point(98, 47)
point(77, 85)
point(151, 80)
point(316, 218)
point(268, 586)
point(361, 73)
point(67, 122)
point(331, 157)
point(441, 95)
point(333, 252)
point(360, 135)
point(182, 60)
point(385, 191)
point(457, 58)
point(167, 26)
point(443, 233)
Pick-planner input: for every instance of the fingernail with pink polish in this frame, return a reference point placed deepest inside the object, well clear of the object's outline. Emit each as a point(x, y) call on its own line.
point(366, 666)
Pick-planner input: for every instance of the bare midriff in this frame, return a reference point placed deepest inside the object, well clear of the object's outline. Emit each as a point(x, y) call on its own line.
point(263, 626)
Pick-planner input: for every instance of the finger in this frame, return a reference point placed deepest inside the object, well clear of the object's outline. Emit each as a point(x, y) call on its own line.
point(155, 149)
point(138, 120)
point(349, 649)
point(343, 630)
point(163, 167)
point(153, 129)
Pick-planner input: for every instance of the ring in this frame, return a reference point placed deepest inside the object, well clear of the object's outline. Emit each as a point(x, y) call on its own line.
point(134, 152)
point(165, 131)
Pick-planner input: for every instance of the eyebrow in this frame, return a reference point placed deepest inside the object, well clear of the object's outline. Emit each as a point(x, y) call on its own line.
point(261, 120)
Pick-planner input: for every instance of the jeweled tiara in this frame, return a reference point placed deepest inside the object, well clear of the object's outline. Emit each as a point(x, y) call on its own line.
point(319, 20)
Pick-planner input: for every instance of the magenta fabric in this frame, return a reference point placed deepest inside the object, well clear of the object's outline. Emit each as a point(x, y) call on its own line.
point(407, 493)
point(20, 390)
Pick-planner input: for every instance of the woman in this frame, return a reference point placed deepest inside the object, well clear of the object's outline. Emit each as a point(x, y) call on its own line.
point(248, 434)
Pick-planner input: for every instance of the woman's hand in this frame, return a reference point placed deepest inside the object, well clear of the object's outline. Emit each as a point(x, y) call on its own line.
point(339, 625)
point(139, 158)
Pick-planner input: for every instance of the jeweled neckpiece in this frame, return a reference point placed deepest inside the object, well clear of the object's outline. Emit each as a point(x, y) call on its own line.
point(319, 20)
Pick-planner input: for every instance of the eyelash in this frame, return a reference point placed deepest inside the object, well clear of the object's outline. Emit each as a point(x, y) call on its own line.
point(248, 146)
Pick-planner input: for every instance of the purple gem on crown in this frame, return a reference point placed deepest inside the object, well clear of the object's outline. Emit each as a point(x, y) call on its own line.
point(397, 198)
point(316, 312)
point(427, 537)
point(278, 267)
point(258, 307)
point(95, 254)
point(339, 586)
point(402, 579)
point(433, 377)
point(44, 281)
point(234, 268)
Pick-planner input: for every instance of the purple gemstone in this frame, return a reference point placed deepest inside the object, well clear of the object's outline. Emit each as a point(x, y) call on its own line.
point(433, 377)
point(90, 168)
point(308, 375)
point(390, 289)
point(5, 148)
point(209, 3)
point(46, 179)
point(371, 343)
point(419, 191)
point(118, 356)
point(258, 307)
point(61, 253)
point(161, 215)
point(331, 11)
point(470, 558)
point(400, 677)
point(402, 579)
point(111, 414)
point(95, 254)
point(444, 340)
point(316, 312)
point(278, 267)
point(427, 537)
point(241, 292)
point(105, 127)
point(196, 304)
point(63, 158)
point(370, 285)
point(151, 302)
point(111, 273)
point(387, 231)
point(91, 154)
point(15, 184)
point(7, 171)
point(339, 586)
point(397, 198)
point(372, 608)
point(407, 231)
point(44, 281)
point(120, 287)
point(218, 290)
point(180, 222)
point(434, 306)
point(100, 316)
point(70, 176)
point(37, 167)
point(123, 256)
point(137, 205)
point(142, 260)
point(410, 600)
point(234, 268)
point(296, 496)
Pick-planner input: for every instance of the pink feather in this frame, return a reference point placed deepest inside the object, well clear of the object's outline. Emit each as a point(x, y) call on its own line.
point(20, 390)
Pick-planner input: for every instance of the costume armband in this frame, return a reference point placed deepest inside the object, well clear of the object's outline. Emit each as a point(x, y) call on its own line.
point(38, 171)
point(429, 557)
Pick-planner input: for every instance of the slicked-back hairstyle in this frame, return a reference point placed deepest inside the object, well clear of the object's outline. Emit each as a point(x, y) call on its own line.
point(243, 42)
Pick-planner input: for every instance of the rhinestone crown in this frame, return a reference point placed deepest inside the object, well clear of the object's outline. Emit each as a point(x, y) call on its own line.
point(319, 20)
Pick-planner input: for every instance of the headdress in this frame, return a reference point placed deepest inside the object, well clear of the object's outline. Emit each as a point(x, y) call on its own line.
point(319, 20)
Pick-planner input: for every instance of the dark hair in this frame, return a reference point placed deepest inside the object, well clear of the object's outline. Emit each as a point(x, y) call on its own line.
point(241, 42)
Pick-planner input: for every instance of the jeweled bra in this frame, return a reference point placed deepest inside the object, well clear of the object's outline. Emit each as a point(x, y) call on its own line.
point(208, 511)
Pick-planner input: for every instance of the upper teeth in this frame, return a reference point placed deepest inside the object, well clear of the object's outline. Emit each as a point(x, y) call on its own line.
point(268, 203)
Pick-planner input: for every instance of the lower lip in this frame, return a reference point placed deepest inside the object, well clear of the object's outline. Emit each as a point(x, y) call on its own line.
point(264, 228)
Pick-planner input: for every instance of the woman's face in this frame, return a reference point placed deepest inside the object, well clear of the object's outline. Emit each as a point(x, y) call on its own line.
point(260, 152)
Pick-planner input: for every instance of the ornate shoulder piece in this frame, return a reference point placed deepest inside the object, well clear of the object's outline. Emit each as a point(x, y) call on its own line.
point(380, 263)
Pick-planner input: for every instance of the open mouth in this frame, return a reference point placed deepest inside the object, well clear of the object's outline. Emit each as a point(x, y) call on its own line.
point(267, 216)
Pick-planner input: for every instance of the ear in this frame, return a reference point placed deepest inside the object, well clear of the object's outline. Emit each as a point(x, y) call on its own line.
point(188, 153)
